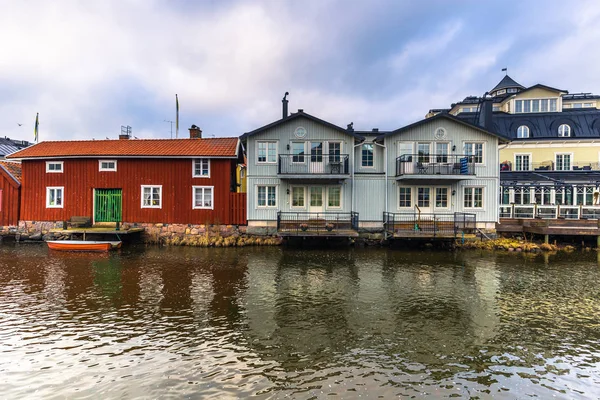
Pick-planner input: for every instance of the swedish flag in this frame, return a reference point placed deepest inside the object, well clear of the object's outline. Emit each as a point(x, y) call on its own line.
point(37, 127)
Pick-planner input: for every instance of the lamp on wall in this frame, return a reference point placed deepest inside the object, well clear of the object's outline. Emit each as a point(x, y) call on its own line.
point(288, 191)
point(287, 146)
point(453, 192)
point(454, 148)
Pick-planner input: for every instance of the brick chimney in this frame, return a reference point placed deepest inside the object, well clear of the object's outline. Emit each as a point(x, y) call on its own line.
point(195, 132)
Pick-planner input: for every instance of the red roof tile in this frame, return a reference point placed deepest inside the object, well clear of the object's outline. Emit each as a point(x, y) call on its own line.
point(211, 147)
point(13, 168)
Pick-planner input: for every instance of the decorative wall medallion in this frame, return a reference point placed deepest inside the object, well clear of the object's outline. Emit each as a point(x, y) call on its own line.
point(300, 132)
point(440, 133)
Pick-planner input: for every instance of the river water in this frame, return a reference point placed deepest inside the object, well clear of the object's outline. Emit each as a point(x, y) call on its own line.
point(292, 323)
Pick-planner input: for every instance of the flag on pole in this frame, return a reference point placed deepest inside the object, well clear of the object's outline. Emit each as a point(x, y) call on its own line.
point(504, 69)
point(37, 127)
point(176, 116)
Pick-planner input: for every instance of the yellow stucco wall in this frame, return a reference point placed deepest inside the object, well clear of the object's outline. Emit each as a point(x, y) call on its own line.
point(584, 152)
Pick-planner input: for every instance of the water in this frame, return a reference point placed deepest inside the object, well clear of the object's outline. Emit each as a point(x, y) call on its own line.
point(277, 323)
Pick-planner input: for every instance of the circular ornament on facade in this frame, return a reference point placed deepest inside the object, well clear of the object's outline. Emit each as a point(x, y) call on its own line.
point(440, 133)
point(300, 132)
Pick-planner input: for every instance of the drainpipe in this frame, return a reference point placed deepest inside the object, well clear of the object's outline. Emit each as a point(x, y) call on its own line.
point(385, 168)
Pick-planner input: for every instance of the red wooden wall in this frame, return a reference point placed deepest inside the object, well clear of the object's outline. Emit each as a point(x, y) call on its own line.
point(81, 176)
point(238, 208)
point(9, 200)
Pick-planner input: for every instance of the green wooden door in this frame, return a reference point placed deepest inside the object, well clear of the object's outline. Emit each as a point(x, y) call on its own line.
point(108, 205)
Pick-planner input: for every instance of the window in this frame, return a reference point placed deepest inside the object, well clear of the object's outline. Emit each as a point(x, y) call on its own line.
point(108, 165)
point(405, 150)
point(267, 196)
point(522, 162)
point(423, 197)
point(267, 152)
point(316, 151)
point(475, 150)
point(298, 152)
point(335, 150)
point(535, 105)
point(501, 91)
point(473, 197)
point(297, 196)
point(577, 105)
point(151, 196)
point(367, 155)
point(564, 130)
point(404, 197)
point(54, 197)
point(334, 197)
point(441, 151)
point(423, 152)
point(588, 105)
point(523, 132)
point(54, 166)
point(441, 197)
point(563, 162)
point(203, 197)
point(511, 90)
point(544, 105)
point(552, 104)
point(496, 108)
point(201, 168)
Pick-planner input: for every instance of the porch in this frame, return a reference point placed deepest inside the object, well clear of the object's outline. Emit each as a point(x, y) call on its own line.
point(322, 224)
point(429, 225)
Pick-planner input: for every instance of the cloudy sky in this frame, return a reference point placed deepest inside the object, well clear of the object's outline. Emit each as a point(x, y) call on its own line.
point(89, 67)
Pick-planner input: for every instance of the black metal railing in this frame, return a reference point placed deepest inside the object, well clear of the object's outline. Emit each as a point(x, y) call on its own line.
point(315, 164)
point(316, 223)
point(550, 166)
point(429, 224)
point(430, 164)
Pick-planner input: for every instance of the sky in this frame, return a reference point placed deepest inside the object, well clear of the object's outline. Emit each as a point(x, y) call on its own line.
point(89, 67)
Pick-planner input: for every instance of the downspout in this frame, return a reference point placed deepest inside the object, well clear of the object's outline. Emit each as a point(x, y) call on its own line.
point(385, 168)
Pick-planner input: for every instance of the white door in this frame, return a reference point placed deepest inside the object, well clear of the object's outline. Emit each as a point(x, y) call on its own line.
point(317, 166)
point(315, 204)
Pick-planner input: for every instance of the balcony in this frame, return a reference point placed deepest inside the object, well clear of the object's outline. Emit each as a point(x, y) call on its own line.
point(508, 166)
point(429, 225)
point(315, 166)
point(326, 224)
point(428, 167)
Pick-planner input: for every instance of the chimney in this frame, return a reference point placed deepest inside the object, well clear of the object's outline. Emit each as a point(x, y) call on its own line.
point(375, 130)
point(195, 132)
point(486, 112)
point(285, 105)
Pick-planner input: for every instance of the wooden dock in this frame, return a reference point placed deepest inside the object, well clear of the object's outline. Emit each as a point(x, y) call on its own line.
point(557, 227)
point(102, 230)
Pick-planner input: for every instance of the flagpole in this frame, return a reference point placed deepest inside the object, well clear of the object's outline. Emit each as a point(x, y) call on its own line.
point(36, 128)
point(176, 117)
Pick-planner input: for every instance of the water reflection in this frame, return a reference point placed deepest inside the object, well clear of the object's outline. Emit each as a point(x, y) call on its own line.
point(276, 322)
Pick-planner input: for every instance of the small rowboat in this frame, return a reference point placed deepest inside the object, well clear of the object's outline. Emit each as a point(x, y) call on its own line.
point(83, 245)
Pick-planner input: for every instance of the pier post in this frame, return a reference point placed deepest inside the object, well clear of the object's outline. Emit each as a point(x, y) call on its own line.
point(547, 239)
point(598, 242)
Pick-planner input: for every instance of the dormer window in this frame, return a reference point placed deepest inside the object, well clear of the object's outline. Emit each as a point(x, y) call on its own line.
point(535, 105)
point(523, 132)
point(564, 130)
point(511, 90)
point(499, 92)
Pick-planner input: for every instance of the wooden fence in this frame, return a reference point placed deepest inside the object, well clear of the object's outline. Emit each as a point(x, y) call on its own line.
point(237, 213)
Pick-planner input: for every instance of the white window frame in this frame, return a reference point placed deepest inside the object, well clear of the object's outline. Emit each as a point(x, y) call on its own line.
point(330, 156)
point(482, 150)
point(62, 167)
point(201, 160)
point(62, 196)
point(258, 142)
point(569, 130)
point(447, 154)
point(292, 206)
point(448, 197)
point(212, 197)
point(114, 169)
point(472, 188)
point(303, 155)
point(327, 206)
point(361, 156)
point(522, 154)
point(410, 206)
point(266, 206)
point(412, 148)
point(563, 153)
point(159, 193)
point(525, 129)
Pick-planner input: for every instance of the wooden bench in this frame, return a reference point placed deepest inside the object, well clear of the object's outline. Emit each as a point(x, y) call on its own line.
point(80, 222)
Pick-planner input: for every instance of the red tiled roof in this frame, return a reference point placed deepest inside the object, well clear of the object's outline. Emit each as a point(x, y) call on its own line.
point(211, 147)
point(13, 169)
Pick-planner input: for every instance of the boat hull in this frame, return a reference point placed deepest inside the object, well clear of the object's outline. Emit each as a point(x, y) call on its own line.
point(82, 245)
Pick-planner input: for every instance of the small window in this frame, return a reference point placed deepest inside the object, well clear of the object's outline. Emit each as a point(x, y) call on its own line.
point(473, 197)
point(54, 197)
point(54, 166)
point(203, 197)
point(298, 152)
point(564, 130)
point(523, 132)
point(267, 196)
point(475, 150)
point(441, 197)
point(201, 168)
point(108, 165)
point(267, 152)
point(151, 196)
point(367, 155)
point(512, 90)
point(298, 197)
point(334, 197)
point(404, 197)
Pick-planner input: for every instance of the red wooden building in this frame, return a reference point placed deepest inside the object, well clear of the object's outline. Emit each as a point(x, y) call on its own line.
point(10, 191)
point(173, 181)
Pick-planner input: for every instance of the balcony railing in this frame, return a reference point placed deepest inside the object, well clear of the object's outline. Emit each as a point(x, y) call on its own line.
point(429, 224)
point(550, 166)
point(317, 223)
point(531, 211)
point(428, 164)
point(315, 164)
